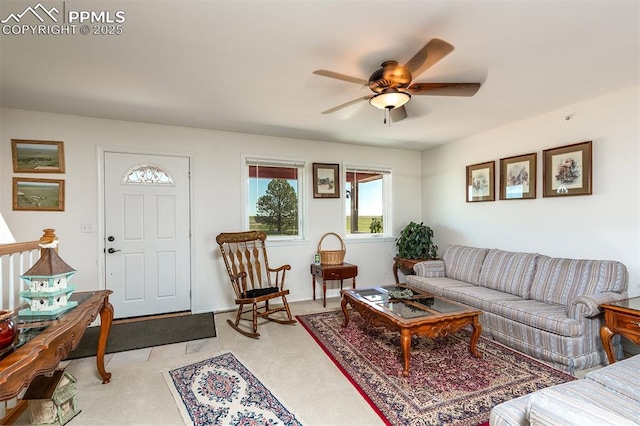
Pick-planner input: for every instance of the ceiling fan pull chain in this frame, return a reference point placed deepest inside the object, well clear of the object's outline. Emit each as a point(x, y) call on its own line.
point(387, 117)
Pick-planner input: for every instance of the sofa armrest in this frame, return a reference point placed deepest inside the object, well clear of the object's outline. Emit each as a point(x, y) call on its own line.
point(553, 407)
point(589, 306)
point(430, 269)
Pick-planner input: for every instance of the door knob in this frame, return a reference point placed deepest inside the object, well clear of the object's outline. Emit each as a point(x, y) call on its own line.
point(112, 250)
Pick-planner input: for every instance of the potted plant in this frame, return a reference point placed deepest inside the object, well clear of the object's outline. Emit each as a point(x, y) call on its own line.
point(414, 244)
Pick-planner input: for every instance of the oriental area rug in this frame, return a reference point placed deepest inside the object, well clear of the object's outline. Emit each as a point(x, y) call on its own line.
point(222, 391)
point(446, 384)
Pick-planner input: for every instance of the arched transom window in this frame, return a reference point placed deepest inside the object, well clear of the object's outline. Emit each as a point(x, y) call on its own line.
point(147, 174)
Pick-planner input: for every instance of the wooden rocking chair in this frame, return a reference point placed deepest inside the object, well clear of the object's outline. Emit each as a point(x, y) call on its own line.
point(253, 281)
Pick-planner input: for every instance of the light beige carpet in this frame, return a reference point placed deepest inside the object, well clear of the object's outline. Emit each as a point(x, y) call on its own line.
point(286, 359)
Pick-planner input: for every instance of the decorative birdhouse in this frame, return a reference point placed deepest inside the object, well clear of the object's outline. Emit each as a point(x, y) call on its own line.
point(52, 399)
point(48, 282)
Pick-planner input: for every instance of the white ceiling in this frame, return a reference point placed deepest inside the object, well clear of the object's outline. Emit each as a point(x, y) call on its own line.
point(246, 66)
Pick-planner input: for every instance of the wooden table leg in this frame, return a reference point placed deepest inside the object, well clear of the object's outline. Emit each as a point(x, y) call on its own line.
point(405, 342)
point(343, 304)
point(354, 282)
point(324, 293)
point(106, 318)
point(606, 335)
point(395, 272)
point(477, 331)
point(313, 282)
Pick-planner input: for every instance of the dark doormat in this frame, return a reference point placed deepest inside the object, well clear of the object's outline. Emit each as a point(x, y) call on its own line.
point(146, 333)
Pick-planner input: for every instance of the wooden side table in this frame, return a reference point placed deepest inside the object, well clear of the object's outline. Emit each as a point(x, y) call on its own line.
point(405, 266)
point(332, 272)
point(622, 318)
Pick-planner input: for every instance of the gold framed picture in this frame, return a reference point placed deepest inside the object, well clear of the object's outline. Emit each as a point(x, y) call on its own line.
point(518, 177)
point(38, 194)
point(481, 182)
point(326, 180)
point(567, 170)
point(37, 156)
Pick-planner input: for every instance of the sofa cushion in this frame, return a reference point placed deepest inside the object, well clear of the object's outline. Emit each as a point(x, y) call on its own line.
point(540, 315)
point(464, 263)
point(581, 403)
point(622, 377)
point(560, 280)
point(435, 286)
point(509, 272)
point(609, 399)
point(477, 296)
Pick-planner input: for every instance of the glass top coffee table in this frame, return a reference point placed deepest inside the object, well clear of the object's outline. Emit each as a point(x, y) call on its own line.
point(413, 313)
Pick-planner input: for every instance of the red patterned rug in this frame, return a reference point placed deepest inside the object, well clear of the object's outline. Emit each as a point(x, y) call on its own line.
point(446, 384)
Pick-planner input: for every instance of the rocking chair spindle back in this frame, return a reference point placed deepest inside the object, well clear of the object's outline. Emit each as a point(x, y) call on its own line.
point(254, 282)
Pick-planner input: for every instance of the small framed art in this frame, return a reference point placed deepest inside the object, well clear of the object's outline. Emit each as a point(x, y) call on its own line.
point(518, 177)
point(38, 194)
point(37, 156)
point(481, 182)
point(567, 170)
point(326, 180)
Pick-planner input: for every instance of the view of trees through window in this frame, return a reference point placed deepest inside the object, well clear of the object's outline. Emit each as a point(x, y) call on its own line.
point(273, 199)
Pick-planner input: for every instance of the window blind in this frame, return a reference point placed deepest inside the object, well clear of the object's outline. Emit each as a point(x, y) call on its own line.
point(360, 169)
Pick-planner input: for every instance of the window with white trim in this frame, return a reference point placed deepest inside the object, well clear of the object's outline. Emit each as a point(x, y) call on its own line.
point(275, 197)
point(368, 201)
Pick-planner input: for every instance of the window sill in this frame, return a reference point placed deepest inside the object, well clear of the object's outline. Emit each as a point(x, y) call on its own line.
point(363, 239)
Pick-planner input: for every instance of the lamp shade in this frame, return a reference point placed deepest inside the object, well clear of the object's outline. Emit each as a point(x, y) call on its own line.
point(390, 99)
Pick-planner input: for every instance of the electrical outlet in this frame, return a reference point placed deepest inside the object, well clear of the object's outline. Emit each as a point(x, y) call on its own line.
point(86, 228)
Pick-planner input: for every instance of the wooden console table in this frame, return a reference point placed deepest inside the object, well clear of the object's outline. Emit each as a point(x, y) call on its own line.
point(332, 272)
point(622, 318)
point(52, 341)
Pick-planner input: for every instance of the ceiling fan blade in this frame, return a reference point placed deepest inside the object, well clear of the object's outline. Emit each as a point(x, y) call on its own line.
point(444, 89)
point(346, 104)
point(343, 77)
point(431, 53)
point(398, 114)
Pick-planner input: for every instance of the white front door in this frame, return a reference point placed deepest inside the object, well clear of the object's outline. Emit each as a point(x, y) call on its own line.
point(147, 233)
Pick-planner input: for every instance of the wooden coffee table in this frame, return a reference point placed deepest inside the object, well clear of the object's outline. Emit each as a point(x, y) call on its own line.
point(421, 315)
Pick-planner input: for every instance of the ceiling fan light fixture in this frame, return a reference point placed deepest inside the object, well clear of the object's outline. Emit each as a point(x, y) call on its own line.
point(390, 99)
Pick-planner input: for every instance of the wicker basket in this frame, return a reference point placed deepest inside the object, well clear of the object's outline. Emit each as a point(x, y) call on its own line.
point(331, 257)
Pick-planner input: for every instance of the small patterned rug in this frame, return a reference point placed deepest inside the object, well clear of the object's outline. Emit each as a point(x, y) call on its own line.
point(446, 384)
point(222, 391)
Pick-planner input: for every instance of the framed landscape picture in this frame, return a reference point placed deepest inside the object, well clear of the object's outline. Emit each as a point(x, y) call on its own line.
point(326, 180)
point(567, 170)
point(37, 156)
point(518, 177)
point(481, 182)
point(38, 194)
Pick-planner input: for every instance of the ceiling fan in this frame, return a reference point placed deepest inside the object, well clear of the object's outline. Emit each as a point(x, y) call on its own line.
point(392, 83)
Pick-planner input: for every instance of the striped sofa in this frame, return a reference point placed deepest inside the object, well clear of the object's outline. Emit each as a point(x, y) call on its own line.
point(608, 396)
point(543, 306)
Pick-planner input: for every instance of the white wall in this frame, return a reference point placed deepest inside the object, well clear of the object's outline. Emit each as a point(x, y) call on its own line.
point(605, 225)
point(217, 203)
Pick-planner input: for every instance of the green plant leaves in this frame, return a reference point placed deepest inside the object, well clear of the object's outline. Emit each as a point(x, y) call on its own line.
point(416, 242)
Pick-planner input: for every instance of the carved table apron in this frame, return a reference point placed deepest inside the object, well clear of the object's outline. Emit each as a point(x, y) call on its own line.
point(43, 353)
point(435, 325)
